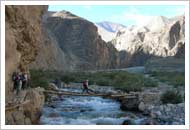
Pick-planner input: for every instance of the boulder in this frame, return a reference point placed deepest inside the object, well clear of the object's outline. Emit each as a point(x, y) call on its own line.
point(147, 100)
point(150, 97)
point(33, 108)
point(52, 86)
point(130, 104)
point(128, 122)
point(141, 106)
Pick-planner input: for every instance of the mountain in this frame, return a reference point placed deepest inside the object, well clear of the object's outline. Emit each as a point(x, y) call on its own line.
point(157, 23)
point(110, 26)
point(108, 30)
point(162, 37)
point(74, 45)
point(105, 34)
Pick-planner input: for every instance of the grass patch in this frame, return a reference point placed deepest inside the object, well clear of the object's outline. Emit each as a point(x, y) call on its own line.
point(120, 80)
point(42, 78)
point(171, 96)
point(173, 78)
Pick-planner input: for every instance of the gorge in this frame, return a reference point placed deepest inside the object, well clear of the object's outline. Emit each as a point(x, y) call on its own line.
point(64, 42)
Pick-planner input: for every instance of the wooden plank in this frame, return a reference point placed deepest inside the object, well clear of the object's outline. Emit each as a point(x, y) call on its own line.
point(74, 94)
point(81, 94)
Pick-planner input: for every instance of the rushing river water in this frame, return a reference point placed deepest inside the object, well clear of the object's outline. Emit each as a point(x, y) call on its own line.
point(81, 110)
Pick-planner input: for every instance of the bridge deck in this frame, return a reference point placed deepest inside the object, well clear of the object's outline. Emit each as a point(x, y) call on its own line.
point(90, 94)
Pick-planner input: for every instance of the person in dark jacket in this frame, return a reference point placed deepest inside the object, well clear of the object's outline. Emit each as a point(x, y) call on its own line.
point(85, 87)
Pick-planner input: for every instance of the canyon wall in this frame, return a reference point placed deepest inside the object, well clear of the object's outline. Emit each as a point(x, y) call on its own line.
point(76, 45)
point(23, 37)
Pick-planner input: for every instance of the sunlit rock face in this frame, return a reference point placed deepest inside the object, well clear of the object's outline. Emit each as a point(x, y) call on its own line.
point(162, 37)
point(108, 30)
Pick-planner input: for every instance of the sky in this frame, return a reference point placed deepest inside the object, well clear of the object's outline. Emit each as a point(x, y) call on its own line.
point(123, 14)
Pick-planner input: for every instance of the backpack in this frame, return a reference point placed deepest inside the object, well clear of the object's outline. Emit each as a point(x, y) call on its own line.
point(23, 77)
point(84, 84)
point(17, 77)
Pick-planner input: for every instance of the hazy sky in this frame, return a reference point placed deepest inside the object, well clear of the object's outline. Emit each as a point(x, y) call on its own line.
point(124, 14)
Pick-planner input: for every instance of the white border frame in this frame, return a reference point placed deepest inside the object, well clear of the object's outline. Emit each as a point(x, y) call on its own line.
point(3, 126)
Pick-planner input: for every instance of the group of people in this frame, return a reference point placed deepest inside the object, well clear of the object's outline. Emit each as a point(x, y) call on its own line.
point(20, 81)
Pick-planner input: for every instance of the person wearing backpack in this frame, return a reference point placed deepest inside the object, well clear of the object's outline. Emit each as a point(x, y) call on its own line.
point(24, 78)
point(85, 87)
point(14, 80)
point(17, 83)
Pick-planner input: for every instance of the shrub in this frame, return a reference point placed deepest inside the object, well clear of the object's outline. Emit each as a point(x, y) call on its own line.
point(171, 96)
point(38, 79)
point(102, 82)
point(150, 83)
point(67, 79)
point(173, 78)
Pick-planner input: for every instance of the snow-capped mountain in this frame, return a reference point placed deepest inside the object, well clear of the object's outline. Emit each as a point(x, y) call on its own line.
point(110, 26)
point(108, 30)
point(157, 23)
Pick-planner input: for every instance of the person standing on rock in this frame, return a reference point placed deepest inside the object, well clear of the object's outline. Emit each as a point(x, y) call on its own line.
point(24, 80)
point(17, 82)
point(14, 80)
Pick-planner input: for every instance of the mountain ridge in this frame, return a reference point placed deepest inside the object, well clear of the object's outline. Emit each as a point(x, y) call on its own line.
point(111, 26)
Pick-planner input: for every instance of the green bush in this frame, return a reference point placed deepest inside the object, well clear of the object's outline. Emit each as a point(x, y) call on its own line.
point(171, 96)
point(121, 80)
point(38, 78)
point(150, 83)
point(173, 78)
point(102, 82)
point(67, 79)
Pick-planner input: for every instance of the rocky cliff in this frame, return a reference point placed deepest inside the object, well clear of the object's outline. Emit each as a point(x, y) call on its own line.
point(76, 45)
point(23, 37)
point(160, 38)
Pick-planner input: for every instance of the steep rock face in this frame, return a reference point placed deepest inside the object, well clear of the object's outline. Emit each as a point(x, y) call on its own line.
point(23, 36)
point(50, 56)
point(80, 43)
point(165, 38)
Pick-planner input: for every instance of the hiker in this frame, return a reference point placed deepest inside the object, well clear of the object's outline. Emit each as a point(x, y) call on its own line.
point(24, 78)
point(58, 83)
point(19, 84)
point(85, 87)
point(14, 80)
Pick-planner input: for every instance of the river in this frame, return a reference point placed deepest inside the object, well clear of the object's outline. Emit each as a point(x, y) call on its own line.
point(81, 110)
